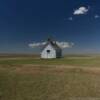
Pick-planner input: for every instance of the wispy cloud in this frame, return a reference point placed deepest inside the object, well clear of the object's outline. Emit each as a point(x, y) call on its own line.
point(70, 18)
point(60, 44)
point(34, 45)
point(81, 11)
point(96, 16)
point(65, 44)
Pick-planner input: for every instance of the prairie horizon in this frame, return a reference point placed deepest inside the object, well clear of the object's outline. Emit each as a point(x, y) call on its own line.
point(68, 31)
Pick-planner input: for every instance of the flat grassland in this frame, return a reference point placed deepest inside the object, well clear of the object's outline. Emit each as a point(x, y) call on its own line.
point(32, 78)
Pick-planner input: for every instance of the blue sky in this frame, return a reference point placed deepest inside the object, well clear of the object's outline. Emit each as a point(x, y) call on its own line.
point(27, 21)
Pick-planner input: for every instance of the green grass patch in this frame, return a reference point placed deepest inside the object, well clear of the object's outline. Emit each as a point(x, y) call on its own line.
point(77, 61)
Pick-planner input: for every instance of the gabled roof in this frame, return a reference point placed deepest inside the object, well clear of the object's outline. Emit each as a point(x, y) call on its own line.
point(52, 43)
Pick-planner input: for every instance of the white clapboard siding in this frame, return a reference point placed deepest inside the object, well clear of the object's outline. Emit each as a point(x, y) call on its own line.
point(48, 55)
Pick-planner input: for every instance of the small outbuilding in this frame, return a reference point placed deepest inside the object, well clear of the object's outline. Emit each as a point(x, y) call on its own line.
point(51, 50)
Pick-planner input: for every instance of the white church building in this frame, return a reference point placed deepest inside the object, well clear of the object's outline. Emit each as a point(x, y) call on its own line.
point(51, 50)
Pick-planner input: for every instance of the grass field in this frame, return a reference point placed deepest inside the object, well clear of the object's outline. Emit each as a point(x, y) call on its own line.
point(32, 78)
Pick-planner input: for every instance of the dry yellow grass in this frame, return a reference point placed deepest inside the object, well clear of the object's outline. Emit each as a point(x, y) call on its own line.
point(25, 79)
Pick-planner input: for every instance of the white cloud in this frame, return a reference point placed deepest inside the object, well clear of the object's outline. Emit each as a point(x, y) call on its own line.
point(96, 16)
point(70, 18)
point(34, 45)
point(60, 44)
point(65, 44)
point(81, 11)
